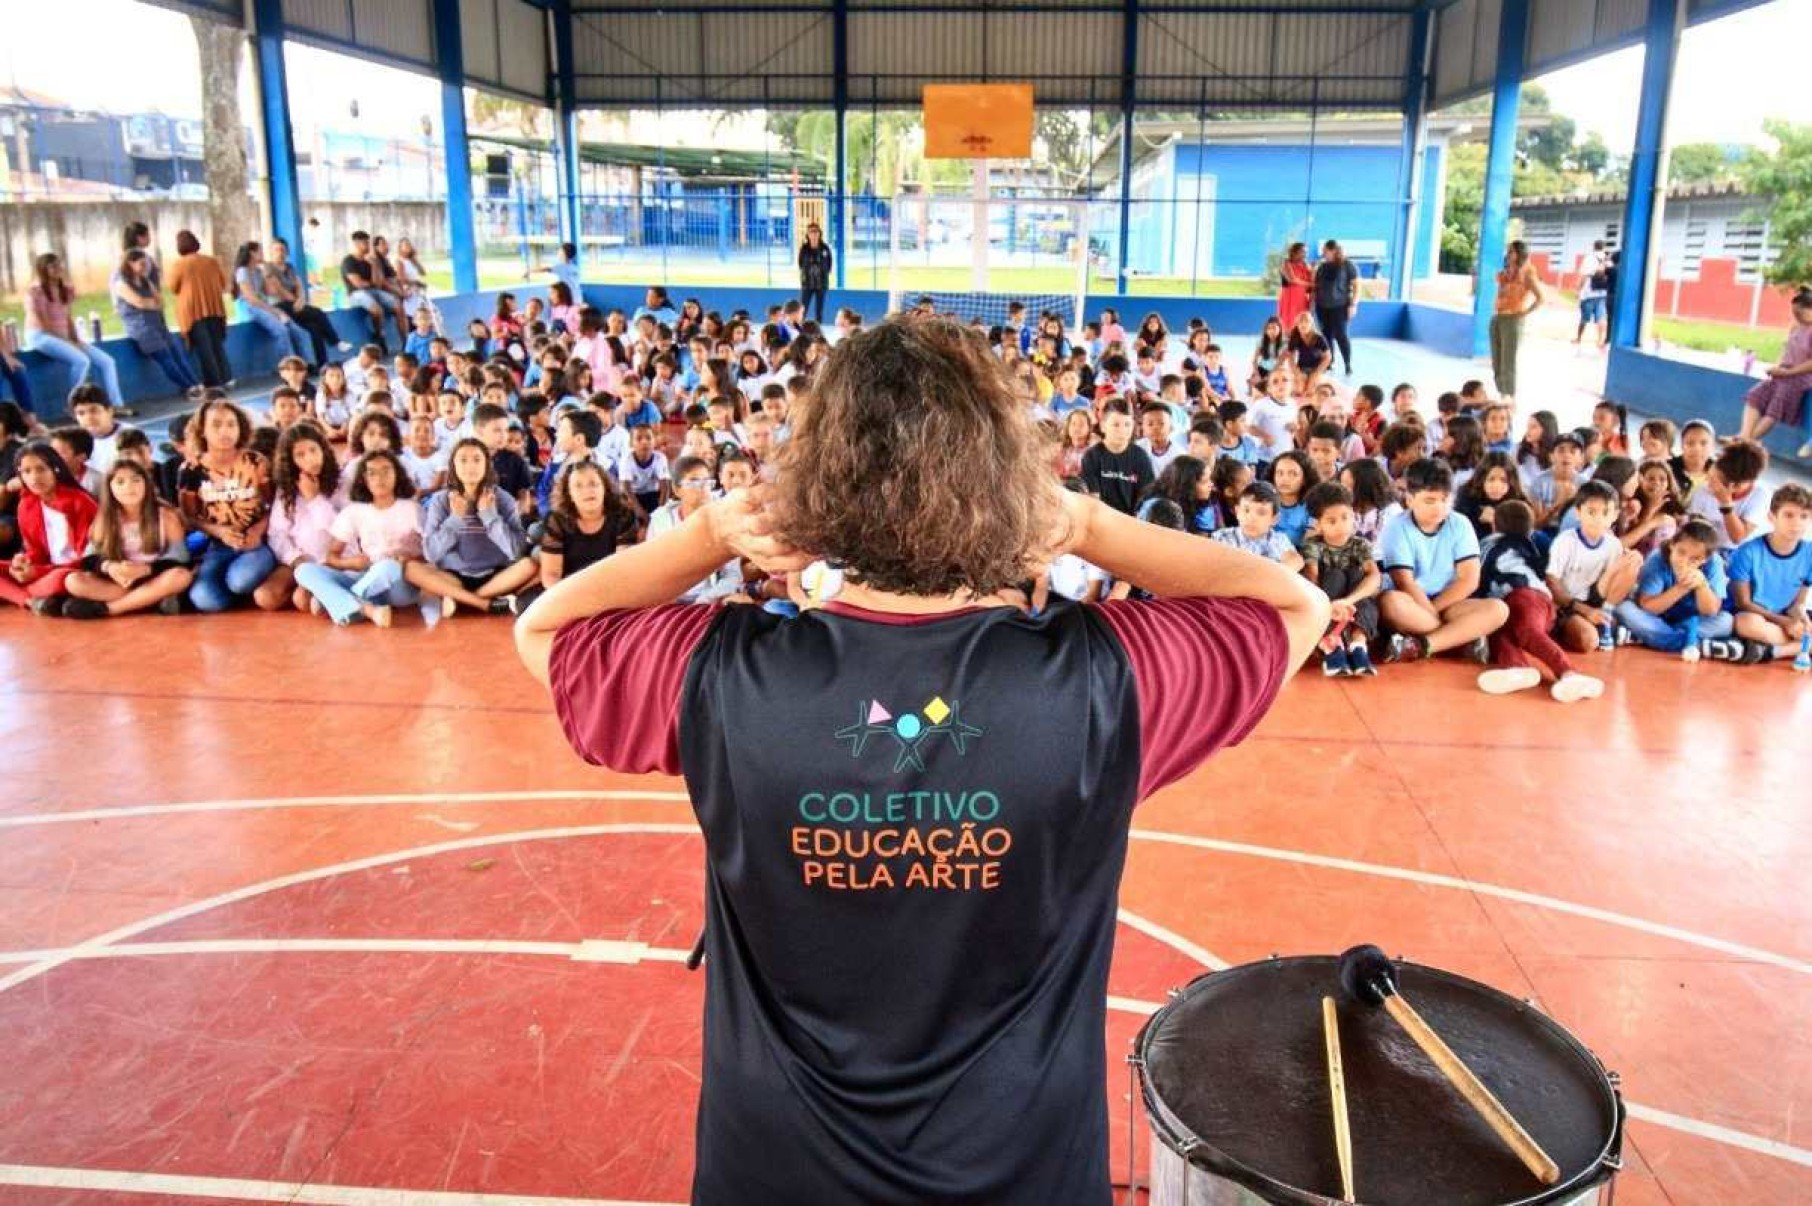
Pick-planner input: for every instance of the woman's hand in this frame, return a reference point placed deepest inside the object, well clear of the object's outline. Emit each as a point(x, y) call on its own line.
point(741, 524)
point(458, 505)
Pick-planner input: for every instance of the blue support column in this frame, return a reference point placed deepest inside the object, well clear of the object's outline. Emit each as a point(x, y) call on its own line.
point(566, 120)
point(1661, 50)
point(1500, 167)
point(1409, 163)
point(450, 59)
point(839, 185)
point(1129, 66)
point(279, 138)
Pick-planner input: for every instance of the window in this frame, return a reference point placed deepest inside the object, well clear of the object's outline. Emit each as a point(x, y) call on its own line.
point(1746, 243)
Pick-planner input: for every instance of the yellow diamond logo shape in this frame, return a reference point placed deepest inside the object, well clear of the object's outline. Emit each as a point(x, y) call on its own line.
point(937, 710)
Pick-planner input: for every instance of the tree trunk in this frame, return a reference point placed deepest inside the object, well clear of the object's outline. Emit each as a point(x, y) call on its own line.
point(231, 211)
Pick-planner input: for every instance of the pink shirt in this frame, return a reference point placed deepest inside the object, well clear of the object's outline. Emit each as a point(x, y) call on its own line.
point(47, 314)
point(301, 531)
point(382, 533)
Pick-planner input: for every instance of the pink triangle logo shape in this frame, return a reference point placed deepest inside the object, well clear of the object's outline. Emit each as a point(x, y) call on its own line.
point(877, 714)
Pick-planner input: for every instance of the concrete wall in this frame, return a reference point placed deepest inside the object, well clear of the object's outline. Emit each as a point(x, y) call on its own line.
point(1676, 390)
point(1258, 198)
point(87, 233)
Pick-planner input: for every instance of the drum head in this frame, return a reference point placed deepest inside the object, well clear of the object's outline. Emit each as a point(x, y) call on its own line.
point(1235, 1079)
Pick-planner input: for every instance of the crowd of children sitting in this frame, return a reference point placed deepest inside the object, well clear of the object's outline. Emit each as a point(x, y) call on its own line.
point(475, 472)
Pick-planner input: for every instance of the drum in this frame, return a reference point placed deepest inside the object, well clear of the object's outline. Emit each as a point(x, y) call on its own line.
point(1234, 1077)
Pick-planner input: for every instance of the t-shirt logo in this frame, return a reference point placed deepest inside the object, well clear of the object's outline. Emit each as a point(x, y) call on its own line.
point(911, 731)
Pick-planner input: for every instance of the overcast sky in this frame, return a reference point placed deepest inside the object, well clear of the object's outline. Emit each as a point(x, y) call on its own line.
point(1733, 72)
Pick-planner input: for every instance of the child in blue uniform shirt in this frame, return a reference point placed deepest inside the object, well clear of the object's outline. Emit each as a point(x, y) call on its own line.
point(1769, 579)
point(1679, 603)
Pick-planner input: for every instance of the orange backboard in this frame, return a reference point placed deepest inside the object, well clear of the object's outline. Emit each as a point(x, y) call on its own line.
point(978, 121)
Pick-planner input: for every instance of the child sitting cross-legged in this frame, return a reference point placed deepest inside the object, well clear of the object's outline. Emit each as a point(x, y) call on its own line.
point(1256, 530)
point(1679, 603)
point(1513, 570)
point(137, 557)
point(1340, 562)
point(1769, 579)
point(1431, 555)
point(370, 545)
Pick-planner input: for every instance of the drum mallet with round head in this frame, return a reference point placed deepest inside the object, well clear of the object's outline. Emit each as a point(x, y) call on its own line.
point(1368, 977)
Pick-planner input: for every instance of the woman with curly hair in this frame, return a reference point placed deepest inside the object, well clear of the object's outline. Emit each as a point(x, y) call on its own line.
point(302, 514)
point(915, 798)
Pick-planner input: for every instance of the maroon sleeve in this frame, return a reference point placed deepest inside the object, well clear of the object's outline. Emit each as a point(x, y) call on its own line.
point(1206, 671)
point(616, 680)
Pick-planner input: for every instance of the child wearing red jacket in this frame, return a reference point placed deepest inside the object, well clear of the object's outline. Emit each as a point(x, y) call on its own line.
point(55, 514)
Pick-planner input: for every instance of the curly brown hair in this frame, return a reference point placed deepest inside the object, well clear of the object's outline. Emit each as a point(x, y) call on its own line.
point(880, 472)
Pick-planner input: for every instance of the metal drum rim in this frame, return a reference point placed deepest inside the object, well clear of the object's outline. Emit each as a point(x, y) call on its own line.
point(1171, 1131)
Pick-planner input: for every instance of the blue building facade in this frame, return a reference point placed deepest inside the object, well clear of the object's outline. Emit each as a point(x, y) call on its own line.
point(1257, 198)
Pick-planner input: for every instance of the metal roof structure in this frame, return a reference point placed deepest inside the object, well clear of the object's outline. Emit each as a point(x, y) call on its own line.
point(1289, 54)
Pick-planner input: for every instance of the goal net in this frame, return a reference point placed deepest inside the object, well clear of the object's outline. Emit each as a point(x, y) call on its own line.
point(1035, 253)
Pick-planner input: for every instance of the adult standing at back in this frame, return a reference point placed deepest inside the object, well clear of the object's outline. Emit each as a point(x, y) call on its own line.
point(884, 1024)
point(51, 329)
point(200, 286)
point(1594, 285)
point(1298, 280)
point(814, 272)
point(1518, 294)
point(1336, 299)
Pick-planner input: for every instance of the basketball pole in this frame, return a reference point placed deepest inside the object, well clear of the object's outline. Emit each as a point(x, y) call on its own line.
point(978, 240)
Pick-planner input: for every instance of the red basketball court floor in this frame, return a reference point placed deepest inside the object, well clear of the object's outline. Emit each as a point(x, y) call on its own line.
point(296, 914)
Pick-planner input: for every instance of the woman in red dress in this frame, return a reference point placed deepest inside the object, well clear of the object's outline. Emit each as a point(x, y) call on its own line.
point(1298, 279)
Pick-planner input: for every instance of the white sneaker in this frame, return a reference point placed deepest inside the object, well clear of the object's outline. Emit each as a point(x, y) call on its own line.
point(448, 605)
point(1571, 688)
point(342, 346)
point(1507, 679)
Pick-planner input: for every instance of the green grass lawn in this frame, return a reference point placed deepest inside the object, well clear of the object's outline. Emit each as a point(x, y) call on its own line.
point(1704, 336)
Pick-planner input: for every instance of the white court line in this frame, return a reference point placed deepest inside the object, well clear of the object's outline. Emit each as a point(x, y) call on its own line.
point(1433, 880)
point(258, 805)
point(1175, 941)
point(1721, 1134)
point(590, 950)
point(593, 950)
point(1426, 878)
point(33, 970)
point(235, 1189)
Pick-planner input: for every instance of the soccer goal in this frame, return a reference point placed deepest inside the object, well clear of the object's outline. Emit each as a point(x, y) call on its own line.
point(1062, 226)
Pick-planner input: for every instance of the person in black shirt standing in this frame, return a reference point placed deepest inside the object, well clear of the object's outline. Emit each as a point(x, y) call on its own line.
point(1336, 299)
point(1117, 471)
point(916, 797)
point(814, 272)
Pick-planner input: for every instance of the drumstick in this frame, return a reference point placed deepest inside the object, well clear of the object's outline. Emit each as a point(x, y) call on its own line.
point(1367, 976)
point(1343, 1136)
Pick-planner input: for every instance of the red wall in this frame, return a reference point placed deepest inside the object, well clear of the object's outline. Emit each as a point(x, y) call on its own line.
point(1717, 296)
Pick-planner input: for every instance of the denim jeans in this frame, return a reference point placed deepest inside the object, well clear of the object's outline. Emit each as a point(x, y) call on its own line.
point(291, 339)
point(1657, 633)
point(226, 574)
point(78, 360)
point(341, 592)
point(20, 380)
point(176, 366)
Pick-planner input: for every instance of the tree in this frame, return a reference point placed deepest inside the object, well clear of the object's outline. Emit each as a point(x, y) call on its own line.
point(232, 213)
point(1783, 180)
point(1699, 163)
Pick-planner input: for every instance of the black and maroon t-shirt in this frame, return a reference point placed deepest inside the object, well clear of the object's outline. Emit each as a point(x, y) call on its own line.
point(915, 830)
